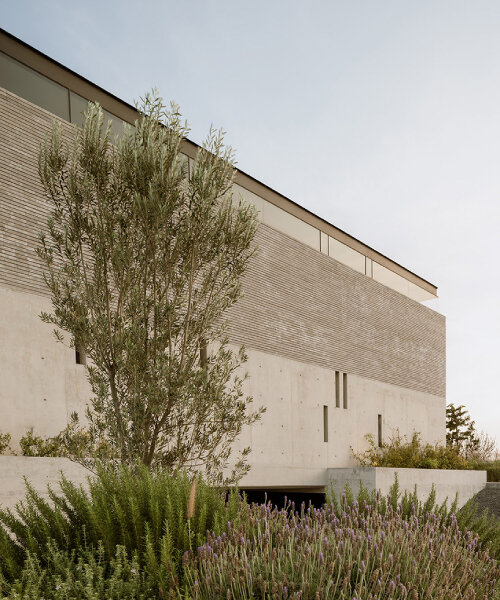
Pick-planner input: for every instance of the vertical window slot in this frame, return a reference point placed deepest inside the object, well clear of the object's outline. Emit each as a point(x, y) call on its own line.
point(337, 389)
point(325, 423)
point(344, 389)
point(80, 356)
point(380, 431)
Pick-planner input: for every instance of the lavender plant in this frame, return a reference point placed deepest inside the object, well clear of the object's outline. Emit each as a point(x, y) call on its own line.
point(350, 554)
point(469, 517)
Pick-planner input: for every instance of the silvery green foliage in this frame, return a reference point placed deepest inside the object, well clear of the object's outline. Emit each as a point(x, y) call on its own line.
point(143, 511)
point(144, 257)
point(86, 576)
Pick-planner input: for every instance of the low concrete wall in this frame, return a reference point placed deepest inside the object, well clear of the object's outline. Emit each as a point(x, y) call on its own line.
point(447, 483)
point(40, 472)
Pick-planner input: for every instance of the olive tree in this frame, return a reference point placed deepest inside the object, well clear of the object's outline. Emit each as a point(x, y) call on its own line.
point(144, 254)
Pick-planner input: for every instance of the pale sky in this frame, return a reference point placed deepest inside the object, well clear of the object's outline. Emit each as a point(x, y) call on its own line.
point(381, 117)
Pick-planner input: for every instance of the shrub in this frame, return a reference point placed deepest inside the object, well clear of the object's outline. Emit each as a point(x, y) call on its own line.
point(146, 513)
point(4, 442)
point(353, 554)
point(34, 445)
point(469, 517)
point(492, 468)
point(401, 452)
point(88, 576)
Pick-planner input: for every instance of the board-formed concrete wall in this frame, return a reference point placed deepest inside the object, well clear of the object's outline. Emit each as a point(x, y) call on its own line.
point(298, 302)
point(447, 483)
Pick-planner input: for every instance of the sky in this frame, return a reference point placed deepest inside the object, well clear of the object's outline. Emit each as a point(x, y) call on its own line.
point(381, 117)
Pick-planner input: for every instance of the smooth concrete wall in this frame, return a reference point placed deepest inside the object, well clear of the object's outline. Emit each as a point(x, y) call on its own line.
point(290, 434)
point(447, 483)
point(40, 472)
point(41, 384)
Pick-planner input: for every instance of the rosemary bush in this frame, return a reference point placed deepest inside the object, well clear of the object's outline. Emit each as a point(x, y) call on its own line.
point(146, 513)
point(88, 576)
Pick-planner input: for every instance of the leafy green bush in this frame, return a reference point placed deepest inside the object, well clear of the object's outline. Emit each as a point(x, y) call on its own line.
point(86, 576)
point(141, 535)
point(4, 442)
point(34, 445)
point(146, 513)
point(492, 468)
point(403, 453)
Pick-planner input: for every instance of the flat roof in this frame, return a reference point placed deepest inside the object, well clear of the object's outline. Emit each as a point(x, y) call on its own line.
point(33, 58)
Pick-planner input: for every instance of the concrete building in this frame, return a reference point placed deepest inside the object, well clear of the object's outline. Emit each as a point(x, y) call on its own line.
point(339, 342)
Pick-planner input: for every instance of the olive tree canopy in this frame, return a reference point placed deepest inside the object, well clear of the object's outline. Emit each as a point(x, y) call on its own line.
point(144, 254)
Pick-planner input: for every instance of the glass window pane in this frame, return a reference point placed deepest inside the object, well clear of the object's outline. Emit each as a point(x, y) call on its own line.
point(390, 279)
point(78, 107)
point(347, 255)
point(117, 124)
point(36, 88)
point(240, 193)
point(290, 225)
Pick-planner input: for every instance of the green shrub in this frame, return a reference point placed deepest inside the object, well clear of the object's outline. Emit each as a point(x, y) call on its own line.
point(34, 445)
point(4, 442)
point(399, 452)
point(492, 468)
point(88, 576)
point(144, 512)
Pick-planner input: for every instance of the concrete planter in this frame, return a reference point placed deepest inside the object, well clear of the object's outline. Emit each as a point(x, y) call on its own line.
point(446, 482)
point(42, 471)
point(39, 471)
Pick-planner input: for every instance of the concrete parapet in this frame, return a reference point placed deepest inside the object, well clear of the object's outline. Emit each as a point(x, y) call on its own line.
point(39, 471)
point(447, 483)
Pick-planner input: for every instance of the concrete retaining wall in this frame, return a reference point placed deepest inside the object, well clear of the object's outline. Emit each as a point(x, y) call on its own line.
point(447, 483)
point(40, 472)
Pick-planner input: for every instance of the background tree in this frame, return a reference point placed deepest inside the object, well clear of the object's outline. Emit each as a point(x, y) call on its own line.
point(460, 430)
point(143, 258)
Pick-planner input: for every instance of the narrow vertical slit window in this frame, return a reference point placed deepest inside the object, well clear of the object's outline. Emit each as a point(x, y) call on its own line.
point(337, 389)
point(344, 389)
point(80, 357)
point(380, 431)
point(325, 423)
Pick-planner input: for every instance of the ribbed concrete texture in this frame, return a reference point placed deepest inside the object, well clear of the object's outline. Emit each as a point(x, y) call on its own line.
point(299, 303)
point(447, 483)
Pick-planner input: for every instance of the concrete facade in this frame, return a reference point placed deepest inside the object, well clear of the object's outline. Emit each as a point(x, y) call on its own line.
point(337, 338)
